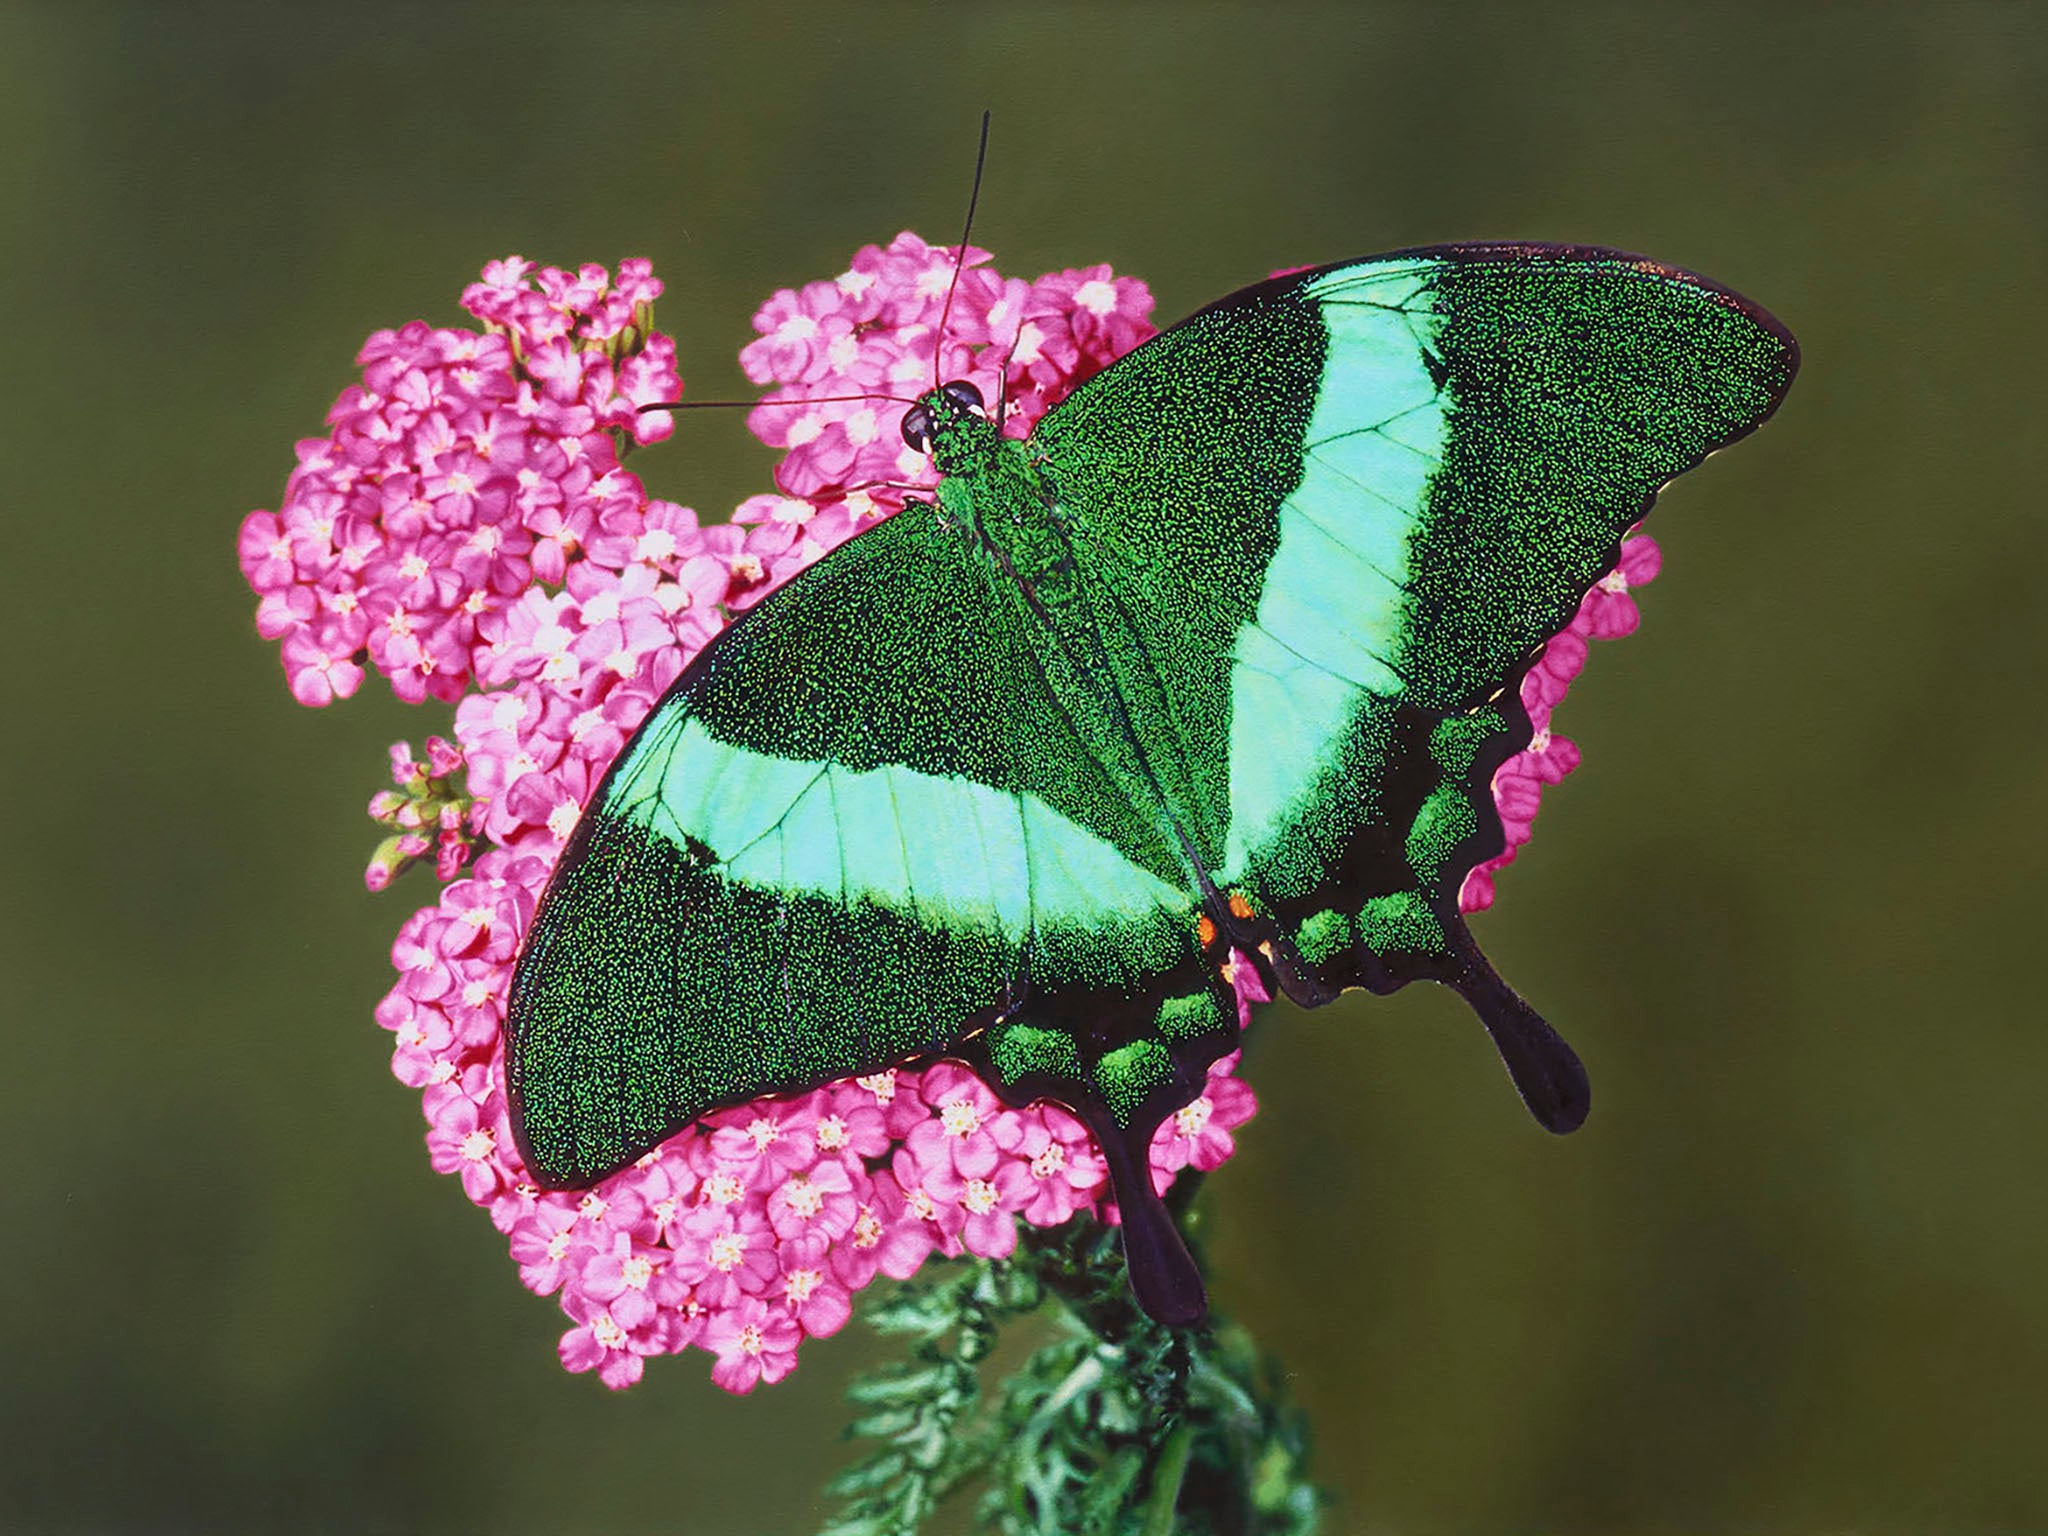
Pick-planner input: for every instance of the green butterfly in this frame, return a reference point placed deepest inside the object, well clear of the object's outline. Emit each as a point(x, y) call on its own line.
point(1222, 658)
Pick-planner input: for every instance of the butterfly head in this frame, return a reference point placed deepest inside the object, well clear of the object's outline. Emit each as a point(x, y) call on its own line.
point(950, 423)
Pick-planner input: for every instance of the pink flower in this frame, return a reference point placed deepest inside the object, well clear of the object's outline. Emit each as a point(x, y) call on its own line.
point(753, 1343)
point(1067, 1172)
point(464, 1139)
point(1607, 612)
point(888, 1236)
point(635, 1281)
point(821, 1199)
point(725, 1252)
point(958, 1140)
point(615, 1351)
point(316, 675)
point(816, 1298)
point(548, 1246)
point(1198, 1134)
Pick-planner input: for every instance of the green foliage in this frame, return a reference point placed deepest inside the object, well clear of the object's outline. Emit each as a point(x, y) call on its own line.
point(1116, 1427)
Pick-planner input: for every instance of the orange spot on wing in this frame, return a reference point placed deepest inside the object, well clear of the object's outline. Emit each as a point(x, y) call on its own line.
point(1205, 930)
point(1239, 907)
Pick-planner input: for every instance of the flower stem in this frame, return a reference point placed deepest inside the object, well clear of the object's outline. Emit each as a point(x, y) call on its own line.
point(1168, 1474)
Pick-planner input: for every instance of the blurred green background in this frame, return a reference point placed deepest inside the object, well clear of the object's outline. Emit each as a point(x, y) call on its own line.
point(1789, 1278)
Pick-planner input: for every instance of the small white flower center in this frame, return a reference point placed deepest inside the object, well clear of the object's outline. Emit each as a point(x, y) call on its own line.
point(831, 1134)
point(1192, 1120)
point(562, 820)
point(960, 1118)
point(607, 1332)
point(1096, 296)
point(799, 1285)
point(478, 1145)
point(723, 1189)
point(727, 1249)
point(979, 1197)
point(1051, 1161)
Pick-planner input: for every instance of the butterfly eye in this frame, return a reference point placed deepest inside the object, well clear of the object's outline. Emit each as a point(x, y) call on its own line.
point(917, 428)
point(962, 393)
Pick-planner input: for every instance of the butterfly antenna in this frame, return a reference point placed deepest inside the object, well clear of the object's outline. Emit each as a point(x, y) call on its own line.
point(1003, 380)
point(729, 405)
point(960, 260)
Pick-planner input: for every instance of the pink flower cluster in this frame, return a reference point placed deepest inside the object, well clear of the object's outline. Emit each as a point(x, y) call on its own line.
point(468, 528)
point(464, 468)
point(1607, 613)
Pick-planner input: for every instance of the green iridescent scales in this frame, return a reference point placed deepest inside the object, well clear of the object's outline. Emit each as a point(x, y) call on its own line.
point(1224, 656)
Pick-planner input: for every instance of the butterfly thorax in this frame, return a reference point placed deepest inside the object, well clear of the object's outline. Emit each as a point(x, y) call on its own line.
point(994, 491)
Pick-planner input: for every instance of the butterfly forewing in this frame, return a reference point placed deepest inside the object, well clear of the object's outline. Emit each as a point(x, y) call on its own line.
point(856, 831)
point(1339, 513)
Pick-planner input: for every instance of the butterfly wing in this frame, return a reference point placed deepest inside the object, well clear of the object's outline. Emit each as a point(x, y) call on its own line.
point(1335, 517)
point(858, 830)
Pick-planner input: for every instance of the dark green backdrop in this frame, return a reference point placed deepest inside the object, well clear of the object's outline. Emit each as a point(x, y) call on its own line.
point(1790, 1277)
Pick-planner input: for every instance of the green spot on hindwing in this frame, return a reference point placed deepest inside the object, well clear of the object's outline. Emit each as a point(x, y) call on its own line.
point(1323, 936)
point(1019, 1050)
point(1130, 1074)
point(1457, 740)
point(1401, 924)
point(1186, 1018)
point(1445, 820)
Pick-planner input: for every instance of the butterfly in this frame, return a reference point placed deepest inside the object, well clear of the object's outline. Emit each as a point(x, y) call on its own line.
point(1219, 661)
